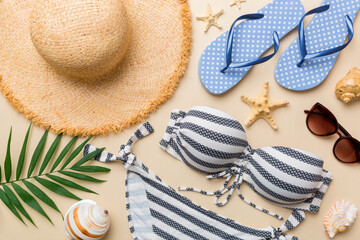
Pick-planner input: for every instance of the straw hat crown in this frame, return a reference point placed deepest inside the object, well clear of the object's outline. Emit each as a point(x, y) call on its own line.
point(83, 39)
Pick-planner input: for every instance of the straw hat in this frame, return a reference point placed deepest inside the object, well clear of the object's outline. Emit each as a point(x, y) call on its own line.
point(88, 67)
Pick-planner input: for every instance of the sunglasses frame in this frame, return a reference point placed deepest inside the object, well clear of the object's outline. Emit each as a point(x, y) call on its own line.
point(318, 106)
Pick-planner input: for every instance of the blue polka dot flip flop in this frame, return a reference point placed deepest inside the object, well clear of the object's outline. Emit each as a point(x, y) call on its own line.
point(310, 58)
point(229, 57)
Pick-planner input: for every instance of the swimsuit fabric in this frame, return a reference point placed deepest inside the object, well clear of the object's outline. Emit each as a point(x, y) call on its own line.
point(157, 211)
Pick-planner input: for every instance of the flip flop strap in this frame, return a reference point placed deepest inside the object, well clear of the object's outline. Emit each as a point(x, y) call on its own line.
point(229, 45)
point(302, 42)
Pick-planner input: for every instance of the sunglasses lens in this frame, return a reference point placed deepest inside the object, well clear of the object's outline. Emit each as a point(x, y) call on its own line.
point(345, 150)
point(320, 124)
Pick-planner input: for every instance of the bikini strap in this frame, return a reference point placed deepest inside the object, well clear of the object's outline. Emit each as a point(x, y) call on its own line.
point(125, 154)
point(256, 206)
point(236, 171)
point(296, 217)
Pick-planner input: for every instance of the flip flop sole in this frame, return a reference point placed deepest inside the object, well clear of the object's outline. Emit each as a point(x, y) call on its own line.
point(325, 31)
point(251, 40)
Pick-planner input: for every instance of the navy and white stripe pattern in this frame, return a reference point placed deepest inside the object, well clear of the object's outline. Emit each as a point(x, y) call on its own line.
point(213, 142)
point(125, 150)
point(157, 211)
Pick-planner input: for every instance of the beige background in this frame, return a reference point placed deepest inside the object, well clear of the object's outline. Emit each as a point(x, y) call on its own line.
point(292, 132)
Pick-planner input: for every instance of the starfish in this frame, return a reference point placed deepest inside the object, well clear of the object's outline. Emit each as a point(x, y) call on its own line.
point(211, 18)
point(237, 3)
point(263, 107)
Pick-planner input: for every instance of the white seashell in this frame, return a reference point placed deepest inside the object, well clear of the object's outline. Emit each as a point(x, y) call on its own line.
point(339, 217)
point(86, 220)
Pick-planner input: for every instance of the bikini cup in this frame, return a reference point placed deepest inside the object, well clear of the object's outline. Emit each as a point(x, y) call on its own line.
point(213, 142)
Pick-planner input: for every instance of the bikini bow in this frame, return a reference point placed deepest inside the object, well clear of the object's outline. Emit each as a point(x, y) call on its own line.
point(125, 155)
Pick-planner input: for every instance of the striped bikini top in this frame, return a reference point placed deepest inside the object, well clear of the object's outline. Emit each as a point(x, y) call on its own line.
point(213, 142)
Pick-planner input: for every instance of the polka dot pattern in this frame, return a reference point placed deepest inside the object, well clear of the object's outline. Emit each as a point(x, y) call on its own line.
point(326, 30)
point(251, 39)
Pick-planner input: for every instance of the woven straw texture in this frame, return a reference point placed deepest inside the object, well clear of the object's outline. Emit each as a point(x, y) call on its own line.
point(69, 84)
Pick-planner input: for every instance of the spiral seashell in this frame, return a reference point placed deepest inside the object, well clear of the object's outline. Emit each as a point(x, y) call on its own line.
point(348, 88)
point(339, 217)
point(86, 220)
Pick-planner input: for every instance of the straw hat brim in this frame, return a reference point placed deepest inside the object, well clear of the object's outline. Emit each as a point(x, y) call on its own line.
point(148, 75)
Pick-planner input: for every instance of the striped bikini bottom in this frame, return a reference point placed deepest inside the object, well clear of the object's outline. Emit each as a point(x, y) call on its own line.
point(157, 211)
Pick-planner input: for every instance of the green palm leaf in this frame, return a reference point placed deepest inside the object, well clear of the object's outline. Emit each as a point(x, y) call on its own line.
point(50, 153)
point(41, 195)
point(90, 169)
point(37, 152)
point(88, 157)
point(63, 153)
point(9, 204)
point(7, 166)
point(56, 188)
point(22, 155)
point(80, 176)
point(76, 152)
point(69, 183)
point(30, 200)
point(11, 196)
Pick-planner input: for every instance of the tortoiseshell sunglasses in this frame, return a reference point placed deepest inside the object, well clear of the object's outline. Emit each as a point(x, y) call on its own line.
point(321, 122)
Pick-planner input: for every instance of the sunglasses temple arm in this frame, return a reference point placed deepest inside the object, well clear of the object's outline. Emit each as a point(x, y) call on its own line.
point(344, 131)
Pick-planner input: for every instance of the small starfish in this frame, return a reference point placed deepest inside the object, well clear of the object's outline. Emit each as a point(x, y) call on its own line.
point(263, 107)
point(237, 3)
point(210, 18)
